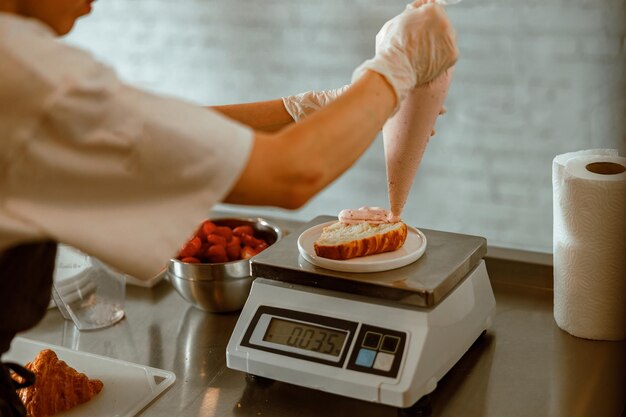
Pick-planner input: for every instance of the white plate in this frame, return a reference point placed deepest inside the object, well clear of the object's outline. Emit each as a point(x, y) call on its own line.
point(128, 387)
point(413, 248)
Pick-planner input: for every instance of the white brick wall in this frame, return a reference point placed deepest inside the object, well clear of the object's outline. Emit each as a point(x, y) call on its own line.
point(535, 79)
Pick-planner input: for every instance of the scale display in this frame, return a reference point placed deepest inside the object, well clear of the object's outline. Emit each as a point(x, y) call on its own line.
point(312, 337)
point(352, 345)
point(305, 336)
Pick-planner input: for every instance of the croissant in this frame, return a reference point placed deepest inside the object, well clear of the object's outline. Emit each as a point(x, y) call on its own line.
point(58, 387)
point(345, 241)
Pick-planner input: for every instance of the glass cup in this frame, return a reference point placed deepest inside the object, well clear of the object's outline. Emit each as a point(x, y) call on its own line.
point(86, 290)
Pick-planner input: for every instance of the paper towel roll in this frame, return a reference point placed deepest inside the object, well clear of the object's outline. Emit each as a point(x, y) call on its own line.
point(589, 192)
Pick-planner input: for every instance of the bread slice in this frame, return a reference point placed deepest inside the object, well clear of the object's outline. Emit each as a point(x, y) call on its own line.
point(345, 241)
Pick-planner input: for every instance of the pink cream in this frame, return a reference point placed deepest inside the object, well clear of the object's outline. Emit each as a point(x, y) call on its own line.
point(376, 215)
point(406, 135)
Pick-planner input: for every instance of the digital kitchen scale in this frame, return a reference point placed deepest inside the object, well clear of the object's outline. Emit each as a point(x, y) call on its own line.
point(386, 337)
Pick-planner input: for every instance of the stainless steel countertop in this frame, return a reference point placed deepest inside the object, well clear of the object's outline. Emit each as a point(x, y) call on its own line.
point(524, 366)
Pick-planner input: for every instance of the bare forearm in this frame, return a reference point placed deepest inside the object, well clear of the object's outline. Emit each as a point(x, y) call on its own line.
point(340, 133)
point(287, 168)
point(264, 116)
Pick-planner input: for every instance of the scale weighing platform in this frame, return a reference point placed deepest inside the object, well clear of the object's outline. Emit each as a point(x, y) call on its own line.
point(386, 337)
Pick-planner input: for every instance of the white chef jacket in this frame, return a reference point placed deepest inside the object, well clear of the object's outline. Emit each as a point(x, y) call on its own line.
point(123, 175)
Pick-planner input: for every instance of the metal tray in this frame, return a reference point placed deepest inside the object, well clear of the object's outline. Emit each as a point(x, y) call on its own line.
point(424, 283)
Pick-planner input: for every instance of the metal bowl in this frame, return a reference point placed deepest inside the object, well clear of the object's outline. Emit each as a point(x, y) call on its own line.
point(220, 287)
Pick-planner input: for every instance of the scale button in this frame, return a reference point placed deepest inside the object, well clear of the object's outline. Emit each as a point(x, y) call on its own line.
point(384, 361)
point(390, 344)
point(365, 358)
point(372, 340)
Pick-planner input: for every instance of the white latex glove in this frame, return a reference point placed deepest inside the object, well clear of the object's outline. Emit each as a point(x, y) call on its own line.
point(302, 105)
point(413, 48)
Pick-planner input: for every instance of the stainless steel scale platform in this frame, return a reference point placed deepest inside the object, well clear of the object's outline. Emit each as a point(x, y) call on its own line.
point(385, 337)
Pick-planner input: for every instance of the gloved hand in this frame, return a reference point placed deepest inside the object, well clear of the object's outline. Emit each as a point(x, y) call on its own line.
point(302, 105)
point(413, 48)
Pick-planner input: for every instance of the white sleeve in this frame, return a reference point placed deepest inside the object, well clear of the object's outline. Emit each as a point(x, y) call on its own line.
point(121, 174)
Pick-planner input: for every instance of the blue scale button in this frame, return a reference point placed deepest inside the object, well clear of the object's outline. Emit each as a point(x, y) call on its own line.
point(366, 358)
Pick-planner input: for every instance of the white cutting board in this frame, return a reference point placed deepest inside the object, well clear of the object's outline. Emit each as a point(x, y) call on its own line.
point(128, 387)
